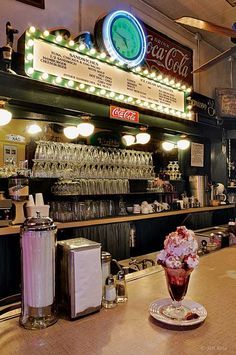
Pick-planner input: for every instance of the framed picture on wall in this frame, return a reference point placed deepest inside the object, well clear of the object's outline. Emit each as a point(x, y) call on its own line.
point(36, 3)
point(10, 153)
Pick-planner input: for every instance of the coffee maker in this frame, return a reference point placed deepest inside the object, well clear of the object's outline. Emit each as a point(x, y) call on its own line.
point(218, 194)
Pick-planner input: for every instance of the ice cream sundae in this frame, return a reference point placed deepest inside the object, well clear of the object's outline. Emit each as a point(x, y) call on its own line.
point(178, 258)
point(180, 250)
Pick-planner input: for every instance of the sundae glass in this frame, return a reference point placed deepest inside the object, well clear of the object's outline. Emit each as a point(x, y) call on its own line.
point(178, 258)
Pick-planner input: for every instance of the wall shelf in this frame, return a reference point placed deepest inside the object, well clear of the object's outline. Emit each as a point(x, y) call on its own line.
point(11, 230)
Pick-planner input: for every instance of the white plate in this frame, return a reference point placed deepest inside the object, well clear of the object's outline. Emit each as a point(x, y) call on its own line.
point(194, 307)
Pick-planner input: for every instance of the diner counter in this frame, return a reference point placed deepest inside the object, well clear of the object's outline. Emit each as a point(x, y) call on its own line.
point(128, 218)
point(128, 328)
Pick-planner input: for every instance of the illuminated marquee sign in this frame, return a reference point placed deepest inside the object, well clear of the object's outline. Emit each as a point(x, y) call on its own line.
point(63, 63)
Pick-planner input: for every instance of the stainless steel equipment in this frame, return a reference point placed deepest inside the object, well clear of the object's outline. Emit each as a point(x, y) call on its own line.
point(79, 276)
point(5, 210)
point(199, 188)
point(215, 237)
point(38, 238)
point(18, 189)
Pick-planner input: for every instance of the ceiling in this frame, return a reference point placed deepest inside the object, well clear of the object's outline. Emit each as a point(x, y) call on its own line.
point(219, 12)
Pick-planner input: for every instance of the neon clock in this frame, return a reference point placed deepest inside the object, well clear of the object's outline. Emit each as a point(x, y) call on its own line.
point(122, 36)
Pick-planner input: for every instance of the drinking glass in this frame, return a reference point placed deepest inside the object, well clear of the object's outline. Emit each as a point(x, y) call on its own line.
point(177, 282)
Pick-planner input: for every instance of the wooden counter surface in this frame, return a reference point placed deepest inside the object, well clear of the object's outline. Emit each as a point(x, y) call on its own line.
point(129, 330)
point(118, 219)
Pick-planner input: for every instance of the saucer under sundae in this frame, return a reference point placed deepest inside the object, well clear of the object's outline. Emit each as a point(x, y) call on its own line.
point(178, 258)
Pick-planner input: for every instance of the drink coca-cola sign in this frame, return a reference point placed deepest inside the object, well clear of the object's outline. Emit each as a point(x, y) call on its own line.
point(169, 57)
point(124, 114)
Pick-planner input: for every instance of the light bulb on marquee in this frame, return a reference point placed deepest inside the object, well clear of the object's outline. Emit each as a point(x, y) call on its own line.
point(30, 71)
point(46, 33)
point(32, 29)
point(58, 80)
point(59, 38)
point(82, 47)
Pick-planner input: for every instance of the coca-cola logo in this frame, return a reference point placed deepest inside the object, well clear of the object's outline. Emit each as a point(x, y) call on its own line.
point(168, 56)
point(124, 114)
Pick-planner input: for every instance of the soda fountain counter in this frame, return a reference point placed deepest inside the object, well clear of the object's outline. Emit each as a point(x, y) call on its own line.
point(130, 329)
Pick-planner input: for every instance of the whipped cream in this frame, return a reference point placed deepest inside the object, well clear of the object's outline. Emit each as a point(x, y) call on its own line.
point(180, 250)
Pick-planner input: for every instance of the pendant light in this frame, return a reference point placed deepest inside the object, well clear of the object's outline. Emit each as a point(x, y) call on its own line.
point(85, 128)
point(71, 132)
point(183, 144)
point(34, 129)
point(128, 139)
point(168, 146)
point(5, 115)
point(143, 137)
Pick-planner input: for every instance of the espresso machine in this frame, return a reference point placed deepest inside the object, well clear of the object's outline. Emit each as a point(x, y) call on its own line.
point(5, 210)
point(18, 190)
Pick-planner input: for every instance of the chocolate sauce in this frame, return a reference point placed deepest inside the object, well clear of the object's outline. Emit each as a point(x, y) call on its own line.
point(178, 291)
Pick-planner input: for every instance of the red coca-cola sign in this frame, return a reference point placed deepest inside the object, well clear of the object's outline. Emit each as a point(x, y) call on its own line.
point(124, 114)
point(168, 56)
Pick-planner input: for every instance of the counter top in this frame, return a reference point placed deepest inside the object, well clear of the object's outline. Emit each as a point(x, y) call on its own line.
point(128, 329)
point(131, 217)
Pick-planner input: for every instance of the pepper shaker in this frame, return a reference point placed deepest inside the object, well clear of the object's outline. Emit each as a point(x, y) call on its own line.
point(121, 289)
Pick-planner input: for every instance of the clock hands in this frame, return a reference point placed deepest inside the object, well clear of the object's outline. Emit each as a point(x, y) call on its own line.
point(124, 39)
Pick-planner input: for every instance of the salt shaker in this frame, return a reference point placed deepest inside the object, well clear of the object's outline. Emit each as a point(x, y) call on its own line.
point(109, 299)
point(106, 267)
point(121, 289)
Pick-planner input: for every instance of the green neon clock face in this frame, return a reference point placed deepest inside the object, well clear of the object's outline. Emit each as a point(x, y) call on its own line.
point(126, 38)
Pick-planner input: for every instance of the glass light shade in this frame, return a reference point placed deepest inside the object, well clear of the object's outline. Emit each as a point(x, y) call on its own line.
point(128, 139)
point(85, 129)
point(5, 116)
point(143, 138)
point(167, 146)
point(71, 132)
point(34, 129)
point(183, 144)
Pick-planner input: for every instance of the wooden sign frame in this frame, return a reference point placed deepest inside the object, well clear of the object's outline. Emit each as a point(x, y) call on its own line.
point(226, 102)
point(36, 3)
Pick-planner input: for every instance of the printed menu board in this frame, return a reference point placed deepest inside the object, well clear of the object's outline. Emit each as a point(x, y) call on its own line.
point(197, 154)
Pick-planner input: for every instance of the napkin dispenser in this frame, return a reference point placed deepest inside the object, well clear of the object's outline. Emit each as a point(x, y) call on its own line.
point(79, 277)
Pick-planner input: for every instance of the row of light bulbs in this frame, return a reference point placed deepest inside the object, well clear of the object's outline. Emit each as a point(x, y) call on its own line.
point(104, 57)
point(97, 91)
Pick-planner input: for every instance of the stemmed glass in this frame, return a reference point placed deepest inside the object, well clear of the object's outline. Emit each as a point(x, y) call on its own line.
point(177, 282)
